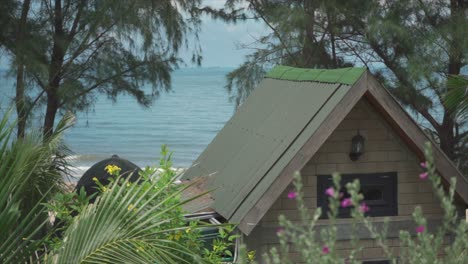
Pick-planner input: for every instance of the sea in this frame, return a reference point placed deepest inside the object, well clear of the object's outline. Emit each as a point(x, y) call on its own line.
point(186, 119)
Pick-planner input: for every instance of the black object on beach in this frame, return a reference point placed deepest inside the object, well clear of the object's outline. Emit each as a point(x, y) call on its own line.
point(98, 170)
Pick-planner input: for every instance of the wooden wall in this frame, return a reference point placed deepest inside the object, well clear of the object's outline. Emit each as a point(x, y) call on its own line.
point(384, 152)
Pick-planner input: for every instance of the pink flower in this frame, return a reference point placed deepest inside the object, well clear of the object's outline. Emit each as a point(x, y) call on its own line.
point(325, 250)
point(423, 176)
point(424, 165)
point(420, 229)
point(279, 230)
point(346, 202)
point(292, 195)
point(330, 192)
point(364, 208)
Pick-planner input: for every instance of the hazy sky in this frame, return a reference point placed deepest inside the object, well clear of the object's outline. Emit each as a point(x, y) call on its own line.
point(220, 40)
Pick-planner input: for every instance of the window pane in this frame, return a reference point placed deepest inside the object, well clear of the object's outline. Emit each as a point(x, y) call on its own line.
point(372, 193)
point(378, 189)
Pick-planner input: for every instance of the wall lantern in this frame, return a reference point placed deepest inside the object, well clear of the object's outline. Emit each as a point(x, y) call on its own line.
point(357, 147)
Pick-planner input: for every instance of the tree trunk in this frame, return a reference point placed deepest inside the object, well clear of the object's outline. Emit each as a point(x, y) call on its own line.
point(447, 138)
point(308, 46)
point(20, 101)
point(55, 71)
point(447, 133)
point(333, 46)
point(51, 113)
point(20, 93)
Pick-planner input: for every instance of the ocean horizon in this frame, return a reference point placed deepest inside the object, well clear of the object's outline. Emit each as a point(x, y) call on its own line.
point(185, 119)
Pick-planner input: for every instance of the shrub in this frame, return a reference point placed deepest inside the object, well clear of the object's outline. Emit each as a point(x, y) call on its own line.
point(140, 222)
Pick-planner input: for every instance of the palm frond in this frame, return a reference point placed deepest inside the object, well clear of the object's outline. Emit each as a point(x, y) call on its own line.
point(128, 223)
point(27, 177)
point(18, 227)
point(457, 97)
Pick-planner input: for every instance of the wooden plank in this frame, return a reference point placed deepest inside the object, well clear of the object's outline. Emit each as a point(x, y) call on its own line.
point(306, 152)
point(413, 135)
point(344, 232)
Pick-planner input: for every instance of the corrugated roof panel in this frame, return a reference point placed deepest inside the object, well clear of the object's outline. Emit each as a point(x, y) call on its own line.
point(293, 149)
point(230, 139)
point(352, 76)
point(274, 133)
point(256, 137)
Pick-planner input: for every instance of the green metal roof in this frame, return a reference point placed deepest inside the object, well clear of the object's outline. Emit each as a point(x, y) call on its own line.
point(266, 132)
point(344, 75)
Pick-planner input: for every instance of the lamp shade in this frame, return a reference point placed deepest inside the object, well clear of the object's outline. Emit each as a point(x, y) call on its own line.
point(357, 147)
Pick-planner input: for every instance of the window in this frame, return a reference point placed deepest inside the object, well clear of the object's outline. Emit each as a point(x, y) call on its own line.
point(379, 191)
point(210, 233)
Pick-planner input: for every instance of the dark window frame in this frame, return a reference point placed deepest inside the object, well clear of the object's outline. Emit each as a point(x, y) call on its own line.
point(387, 182)
point(376, 262)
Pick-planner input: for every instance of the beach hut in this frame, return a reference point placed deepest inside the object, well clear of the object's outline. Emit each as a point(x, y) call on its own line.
point(319, 122)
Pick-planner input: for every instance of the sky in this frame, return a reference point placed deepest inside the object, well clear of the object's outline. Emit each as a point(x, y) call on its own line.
point(219, 40)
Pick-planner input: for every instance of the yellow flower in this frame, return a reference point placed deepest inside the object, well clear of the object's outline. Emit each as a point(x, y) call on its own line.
point(251, 255)
point(177, 236)
point(140, 249)
point(95, 179)
point(130, 207)
point(104, 189)
point(113, 169)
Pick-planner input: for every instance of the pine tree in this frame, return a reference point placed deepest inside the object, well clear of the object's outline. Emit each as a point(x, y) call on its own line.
point(421, 44)
point(301, 33)
point(66, 52)
point(411, 45)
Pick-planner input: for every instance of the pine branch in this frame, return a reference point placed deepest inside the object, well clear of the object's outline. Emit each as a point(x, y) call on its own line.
point(278, 35)
point(84, 46)
point(76, 21)
point(99, 83)
point(425, 113)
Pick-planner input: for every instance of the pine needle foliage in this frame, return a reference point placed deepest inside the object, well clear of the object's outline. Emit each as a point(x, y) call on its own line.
point(65, 53)
point(412, 46)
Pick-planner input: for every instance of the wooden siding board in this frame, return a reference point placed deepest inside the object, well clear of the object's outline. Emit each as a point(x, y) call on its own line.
point(413, 135)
